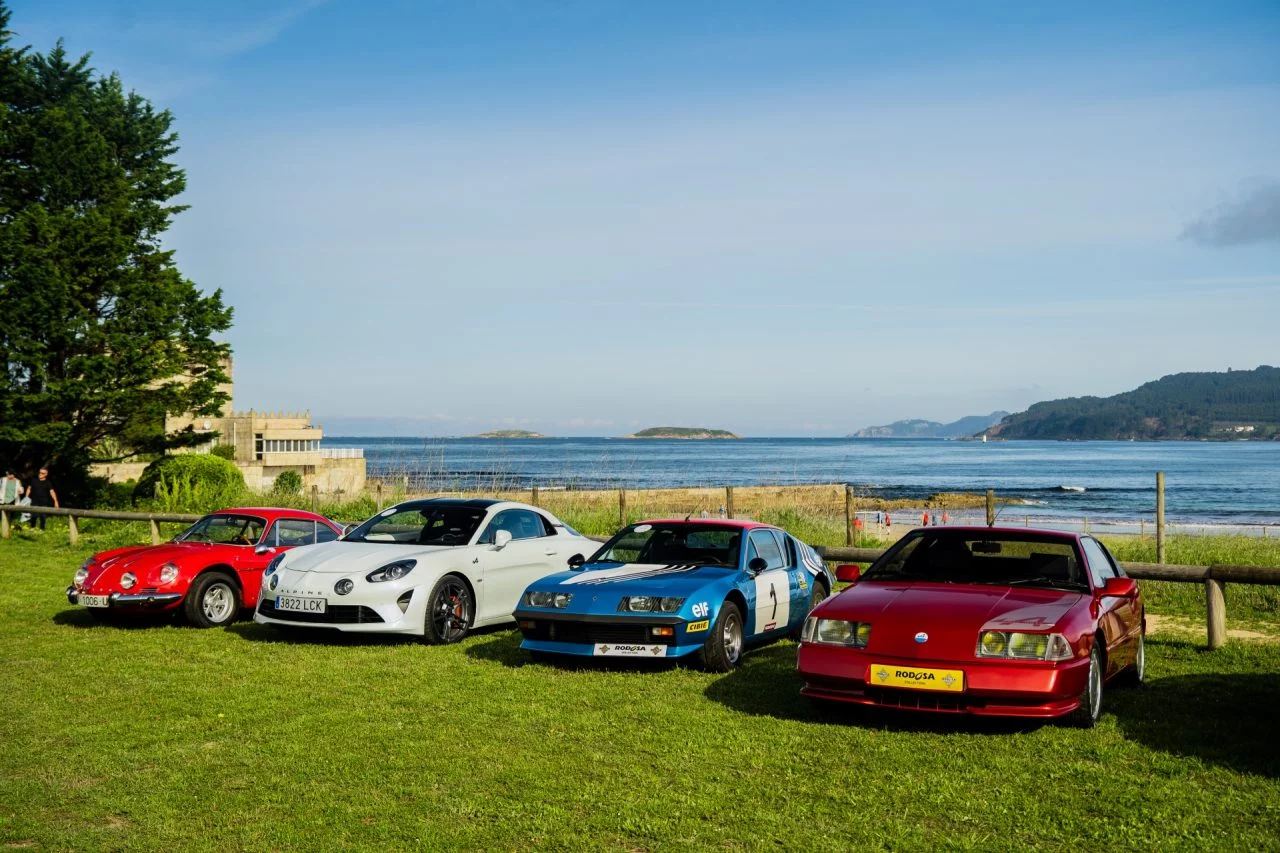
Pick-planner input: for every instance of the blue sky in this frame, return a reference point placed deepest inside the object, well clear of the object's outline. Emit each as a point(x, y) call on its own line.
point(780, 218)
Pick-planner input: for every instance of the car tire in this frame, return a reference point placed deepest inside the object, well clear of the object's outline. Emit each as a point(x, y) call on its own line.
point(212, 602)
point(1136, 674)
point(722, 650)
point(816, 597)
point(450, 609)
point(1086, 716)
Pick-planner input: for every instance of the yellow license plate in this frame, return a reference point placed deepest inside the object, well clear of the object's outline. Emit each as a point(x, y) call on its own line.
point(914, 678)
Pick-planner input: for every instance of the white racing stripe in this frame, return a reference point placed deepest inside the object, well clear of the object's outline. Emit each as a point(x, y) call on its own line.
point(630, 574)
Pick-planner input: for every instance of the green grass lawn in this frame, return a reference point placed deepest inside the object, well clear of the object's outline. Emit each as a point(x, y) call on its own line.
point(161, 738)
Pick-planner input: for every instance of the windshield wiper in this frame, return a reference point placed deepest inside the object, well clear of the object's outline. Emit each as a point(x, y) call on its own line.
point(1055, 583)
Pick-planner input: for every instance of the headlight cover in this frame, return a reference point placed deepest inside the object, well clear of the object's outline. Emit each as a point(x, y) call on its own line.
point(836, 632)
point(81, 575)
point(637, 604)
point(168, 573)
point(344, 586)
point(535, 598)
point(391, 571)
point(273, 565)
point(128, 579)
point(670, 605)
point(1019, 645)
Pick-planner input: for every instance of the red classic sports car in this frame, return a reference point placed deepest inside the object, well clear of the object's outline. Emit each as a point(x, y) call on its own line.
point(208, 572)
point(1012, 622)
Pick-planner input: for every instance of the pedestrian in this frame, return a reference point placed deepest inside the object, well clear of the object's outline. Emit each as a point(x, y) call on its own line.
point(879, 518)
point(888, 522)
point(42, 493)
point(10, 487)
point(924, 518)
point(946, 517)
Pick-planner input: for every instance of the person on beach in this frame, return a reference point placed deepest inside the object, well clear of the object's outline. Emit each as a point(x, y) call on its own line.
point(888, 522)
point(10, 488)
point(924, 518)
point(946, 519)
point(879, 518)
point(42, 493)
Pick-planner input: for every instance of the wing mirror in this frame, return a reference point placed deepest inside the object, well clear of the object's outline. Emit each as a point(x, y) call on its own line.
point(848, 573)
point(757, 565)
point(577, 560)
point(264, 550)
point(1120, 588)
point(501, 539)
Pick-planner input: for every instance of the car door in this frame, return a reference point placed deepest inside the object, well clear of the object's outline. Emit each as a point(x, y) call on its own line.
point(771, 610)
point(506, 571)
point(1119, 618)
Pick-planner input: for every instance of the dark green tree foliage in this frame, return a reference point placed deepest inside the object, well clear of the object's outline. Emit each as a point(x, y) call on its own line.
point(100, 334)
point(1180, 406)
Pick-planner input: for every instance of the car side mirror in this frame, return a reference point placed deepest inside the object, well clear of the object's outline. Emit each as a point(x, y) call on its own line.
point(501, 539)
point(264, 550)
point(1120, 588)
point(577, 560)
point(848, 573)
point(757, 565)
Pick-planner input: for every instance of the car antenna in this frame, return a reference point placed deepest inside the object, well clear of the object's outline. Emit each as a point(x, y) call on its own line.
point(689, 516)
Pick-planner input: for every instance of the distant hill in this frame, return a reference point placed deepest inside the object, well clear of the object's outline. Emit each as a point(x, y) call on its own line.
point(682, 432)
point(509, 433)
point(916, 428)
point(1238, 404)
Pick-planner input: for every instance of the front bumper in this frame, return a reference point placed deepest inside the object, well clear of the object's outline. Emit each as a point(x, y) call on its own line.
point(591, 635)
point(358, 612)
point(147, 599)
point(991, 688)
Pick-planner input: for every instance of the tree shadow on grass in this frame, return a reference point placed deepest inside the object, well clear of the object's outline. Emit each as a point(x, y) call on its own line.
point(1226, 719)
point(82, 617)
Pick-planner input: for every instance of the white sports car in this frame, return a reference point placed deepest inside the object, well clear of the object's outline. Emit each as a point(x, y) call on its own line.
point(436, 568)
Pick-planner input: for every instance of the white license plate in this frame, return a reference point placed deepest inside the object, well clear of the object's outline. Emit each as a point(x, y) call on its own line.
point(93, 600)
point(300, 605)
point(628, 650)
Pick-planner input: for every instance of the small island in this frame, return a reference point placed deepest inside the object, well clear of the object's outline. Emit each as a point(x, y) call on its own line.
point(509, 433)
point(683, 432)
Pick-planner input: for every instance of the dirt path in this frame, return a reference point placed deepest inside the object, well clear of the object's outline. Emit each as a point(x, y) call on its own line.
point(1183, 625)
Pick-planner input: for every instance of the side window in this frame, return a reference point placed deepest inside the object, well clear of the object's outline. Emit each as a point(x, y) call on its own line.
point(520, 523)
point(324, 533)
point(766, 545)
point(1100, 567)
point(290, 532)
point(548, 529)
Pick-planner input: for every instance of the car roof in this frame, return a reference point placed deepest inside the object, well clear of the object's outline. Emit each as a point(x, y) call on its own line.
point(1023, 532)
point(271, 513)
point(477, 503)
point(702, 522)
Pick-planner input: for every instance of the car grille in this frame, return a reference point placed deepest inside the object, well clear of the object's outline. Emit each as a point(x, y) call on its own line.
point(917, 700)
point(336, 614)
point(592, 632)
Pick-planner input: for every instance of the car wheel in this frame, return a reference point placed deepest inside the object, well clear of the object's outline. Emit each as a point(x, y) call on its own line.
point(449, 611)
point(723, 648)
point(816, 597)
point(1086, 716)
point(212, 601)
point(1136, 675)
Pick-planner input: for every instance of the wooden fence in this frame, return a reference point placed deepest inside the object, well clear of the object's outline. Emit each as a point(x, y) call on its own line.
point(1213, 577)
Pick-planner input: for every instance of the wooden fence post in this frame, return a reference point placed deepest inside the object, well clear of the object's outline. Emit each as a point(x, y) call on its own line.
point(73, 531)
point(315, 497)
point(4, 524)
point(533, 497)
point(622, 507)
point(1216, 605)
point(728, 501)
point(379, 491)
point(1159, 516)
point(848, 515)
point(991, 508)
point(155, 532)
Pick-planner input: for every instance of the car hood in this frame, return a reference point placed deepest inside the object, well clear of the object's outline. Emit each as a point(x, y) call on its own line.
point(949, 615)
point(342, 558)
point(636, 579)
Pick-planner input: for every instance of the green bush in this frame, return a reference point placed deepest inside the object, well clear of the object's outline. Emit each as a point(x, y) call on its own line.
point(210, 474)
point(287, 483)
point(224, 451)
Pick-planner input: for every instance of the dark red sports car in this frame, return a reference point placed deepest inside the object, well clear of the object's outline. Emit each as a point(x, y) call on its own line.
point(1012, 622)
point(208, 572)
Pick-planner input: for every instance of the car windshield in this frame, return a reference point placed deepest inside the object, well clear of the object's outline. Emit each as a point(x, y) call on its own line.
point(978, 557)
point(672, 544)
point(421, 525)
point(224, 530)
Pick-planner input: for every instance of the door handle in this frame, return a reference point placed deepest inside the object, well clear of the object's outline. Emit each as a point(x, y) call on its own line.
point(550, 553)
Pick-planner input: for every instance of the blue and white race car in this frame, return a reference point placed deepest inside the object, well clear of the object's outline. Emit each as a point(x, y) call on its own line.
point(668, 589)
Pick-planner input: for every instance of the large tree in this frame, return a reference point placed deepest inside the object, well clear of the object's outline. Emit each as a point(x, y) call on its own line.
point(100, 334)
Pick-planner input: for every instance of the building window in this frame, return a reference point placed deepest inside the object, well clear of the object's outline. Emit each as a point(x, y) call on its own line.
point(257, 446)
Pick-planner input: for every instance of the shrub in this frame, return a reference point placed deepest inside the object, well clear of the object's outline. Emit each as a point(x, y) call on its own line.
point(224, 451)
point(287, 483)
point(209, 473)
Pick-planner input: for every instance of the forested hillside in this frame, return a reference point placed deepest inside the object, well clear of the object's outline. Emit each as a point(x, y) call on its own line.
point(1232, 405)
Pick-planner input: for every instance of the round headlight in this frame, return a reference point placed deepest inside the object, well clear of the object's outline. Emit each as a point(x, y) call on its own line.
point(275, 582)
point(342, 587)
point(670, 605)
point(128, 579)
point(168, 573)
point(81, 575)
point(640, 604)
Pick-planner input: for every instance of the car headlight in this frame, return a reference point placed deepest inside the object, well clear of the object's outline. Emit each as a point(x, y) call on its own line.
point(273, 583)
point(836, 632)
point(273, 565)
point(81, 575)
point(670, 605)
point(1018, 645)
point(128, 579)
point(168, 573)
point(344, 586)
point(637, 603)
point(559, 600)
point(391, 571)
